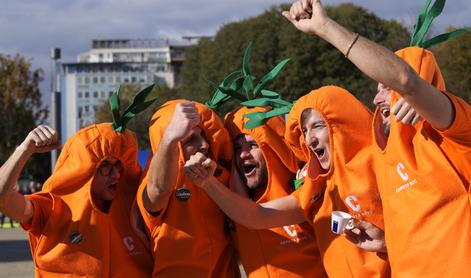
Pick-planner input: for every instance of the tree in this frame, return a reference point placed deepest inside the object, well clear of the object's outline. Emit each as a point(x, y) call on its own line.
point(314, 63)
point(21, 110)
point(140, 123)
point(454, 58)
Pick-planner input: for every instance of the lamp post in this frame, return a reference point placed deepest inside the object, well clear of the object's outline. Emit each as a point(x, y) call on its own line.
point(55, 99)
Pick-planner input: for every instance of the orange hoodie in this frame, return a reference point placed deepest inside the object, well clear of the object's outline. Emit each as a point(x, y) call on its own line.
point(188, 237)
point(423, 177)
point(68, 234)
point(349, 185)
point(288, 251)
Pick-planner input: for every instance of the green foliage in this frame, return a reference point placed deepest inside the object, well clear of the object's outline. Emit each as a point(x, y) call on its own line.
point(313, 63)
point(140, 123)
point(454, 58)
point(21, 109)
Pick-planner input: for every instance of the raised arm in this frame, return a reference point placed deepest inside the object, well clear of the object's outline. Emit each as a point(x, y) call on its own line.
point(375, 61)
point(13, 204)
point(163, 170)
point(276, 213)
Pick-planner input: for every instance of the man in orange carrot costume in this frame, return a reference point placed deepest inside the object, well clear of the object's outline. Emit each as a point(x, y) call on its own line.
point(423, 171)
point(79, 225)
point(185, 225)
point(320, 129)
point(266, 165)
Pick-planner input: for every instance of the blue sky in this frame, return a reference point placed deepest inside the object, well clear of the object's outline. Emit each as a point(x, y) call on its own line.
point(31, 27)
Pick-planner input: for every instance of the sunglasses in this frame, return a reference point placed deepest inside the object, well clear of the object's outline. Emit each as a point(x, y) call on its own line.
point(106, 168)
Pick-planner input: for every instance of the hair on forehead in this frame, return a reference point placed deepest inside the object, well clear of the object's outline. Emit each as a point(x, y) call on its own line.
point(243, 136)
point(306, 114)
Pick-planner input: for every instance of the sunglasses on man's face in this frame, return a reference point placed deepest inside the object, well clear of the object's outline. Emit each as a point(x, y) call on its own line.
point(106, 168)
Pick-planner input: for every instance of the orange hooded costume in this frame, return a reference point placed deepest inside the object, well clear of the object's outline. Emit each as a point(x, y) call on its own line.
point(288, 251)
point(188, 237)
point(68, 234)
point(423, 177)
point(349, 185)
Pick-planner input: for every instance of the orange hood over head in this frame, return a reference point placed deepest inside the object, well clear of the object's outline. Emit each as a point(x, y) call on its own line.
point(349, 123)
point(424, 63)
point(280, 160)
point(214, 131)
point(83, 153)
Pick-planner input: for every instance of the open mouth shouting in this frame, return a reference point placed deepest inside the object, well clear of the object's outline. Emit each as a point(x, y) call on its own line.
point(322, 154)
point(249, 169)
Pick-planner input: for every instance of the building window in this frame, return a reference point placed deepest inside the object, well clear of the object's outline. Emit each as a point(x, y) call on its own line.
point(126, 80)
point(110, 79)
point(79, 80)
point(118, 79)
point(95, 94)
point(102, 94)
point(111, 93)
point(133, 79)
point(87, 95)
point(87, 109)
point(95, 79)
point(102, 80)
point(80, 95)
point(87, 80)
point(95, 108)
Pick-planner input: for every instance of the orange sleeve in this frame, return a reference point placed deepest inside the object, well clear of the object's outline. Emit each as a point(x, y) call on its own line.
point(459, 131)
point(42, 210)
point(151, 220)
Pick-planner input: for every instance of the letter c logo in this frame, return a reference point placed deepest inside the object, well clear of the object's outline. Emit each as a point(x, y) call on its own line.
point(128, 242)
point(400, 168)
point(352, 202)
point(291, 232)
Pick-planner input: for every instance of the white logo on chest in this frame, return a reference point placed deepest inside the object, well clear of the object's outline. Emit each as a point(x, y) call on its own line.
point(405, 177)
point(352, 202)
point(129, 243)
point(400, 170)
point(291, 232)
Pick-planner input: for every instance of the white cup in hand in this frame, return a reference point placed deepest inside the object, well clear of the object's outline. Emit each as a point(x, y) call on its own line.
point(340, 221)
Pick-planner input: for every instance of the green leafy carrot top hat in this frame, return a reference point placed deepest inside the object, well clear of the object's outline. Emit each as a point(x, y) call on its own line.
point(240, 85)
point(138, 104)
point(416, 55)
point(424, 20)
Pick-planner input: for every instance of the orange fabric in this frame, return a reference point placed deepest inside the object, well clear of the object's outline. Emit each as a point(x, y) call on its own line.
point(110, 245)
point(349, 185)
point(188, 237)
point(288, 251)
point(423, 177)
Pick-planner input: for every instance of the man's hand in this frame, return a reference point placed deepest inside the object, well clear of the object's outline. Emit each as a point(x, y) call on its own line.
point(404, 113)
point(40, 140)
point(366, 236)
point(199, 168)
point(184, 119)
point(308, 16)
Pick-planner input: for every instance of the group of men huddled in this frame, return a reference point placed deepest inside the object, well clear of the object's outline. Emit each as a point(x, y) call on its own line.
point(403, 173)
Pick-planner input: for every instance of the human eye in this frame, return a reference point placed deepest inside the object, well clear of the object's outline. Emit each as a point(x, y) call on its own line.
point(253, 145)
point(188, 139)
point(237, 148)
point(318, 125)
